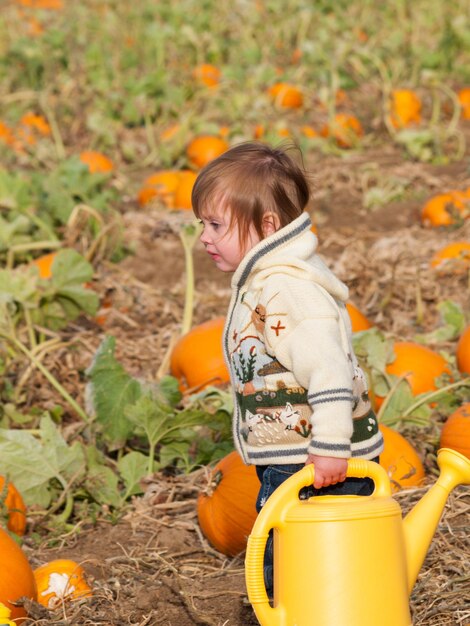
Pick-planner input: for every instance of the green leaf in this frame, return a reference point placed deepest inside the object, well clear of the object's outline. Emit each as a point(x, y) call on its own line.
point(176, 451)
point(169, 388)
point(56, 301)
point(132, 468)
point(453, 323)
point(101, 481)
point(19, 286)
point(14, 231)
point(32, 463)
point(14, 191)
point(150, 416)
point(401, 399)
point(110, 391)
point(70, 268)
point(373, 348)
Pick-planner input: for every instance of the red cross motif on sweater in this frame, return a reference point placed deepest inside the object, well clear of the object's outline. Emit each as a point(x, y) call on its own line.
point(278, 328)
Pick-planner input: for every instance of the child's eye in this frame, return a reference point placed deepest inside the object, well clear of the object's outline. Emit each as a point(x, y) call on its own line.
point(215, 225)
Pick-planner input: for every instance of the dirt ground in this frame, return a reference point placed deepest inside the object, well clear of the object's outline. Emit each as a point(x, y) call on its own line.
point(154, 567)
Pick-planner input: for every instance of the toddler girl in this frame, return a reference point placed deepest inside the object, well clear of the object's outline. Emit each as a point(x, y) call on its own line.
point(300, 396)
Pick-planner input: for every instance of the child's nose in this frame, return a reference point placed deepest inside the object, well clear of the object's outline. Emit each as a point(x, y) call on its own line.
point(204, 239)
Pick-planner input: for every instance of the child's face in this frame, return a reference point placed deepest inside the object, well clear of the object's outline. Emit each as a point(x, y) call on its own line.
point(221, 242)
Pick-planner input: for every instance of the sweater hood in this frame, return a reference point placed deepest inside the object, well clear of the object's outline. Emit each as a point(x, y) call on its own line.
point(290, 251)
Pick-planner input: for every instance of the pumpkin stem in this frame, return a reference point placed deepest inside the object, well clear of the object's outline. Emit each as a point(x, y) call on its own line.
point(419, 300)
point(189, 234)
point(31, 245)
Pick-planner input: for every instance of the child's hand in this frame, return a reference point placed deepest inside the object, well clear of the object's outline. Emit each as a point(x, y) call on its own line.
point(329, 470)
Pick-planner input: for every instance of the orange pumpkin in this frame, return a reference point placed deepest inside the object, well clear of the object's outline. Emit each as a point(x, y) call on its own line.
point(11, 499)
point(400, 460)
point(420, 366)
point(51, 5)
point(197, 359)
point(35, 28)
point(182, 197)
point(203, 149)
point(445, 209)
point(309, 131)
point(358, 320)
point(207, 74)
point(16, 576)
point(97, 162)
point(60, 580)
point(455, 433)
point(463, 96)
point(36, 122)
point(345, 128)
point(44, 264)
point(161, 185)
point(6, 135)
point(259, 131)
point(455, 255)
point(227, 512)
point(463, 352)
point(286, 96)
point(405, 108)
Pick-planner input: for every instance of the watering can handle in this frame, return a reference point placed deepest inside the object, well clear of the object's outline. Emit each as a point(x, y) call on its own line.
point(272, 515)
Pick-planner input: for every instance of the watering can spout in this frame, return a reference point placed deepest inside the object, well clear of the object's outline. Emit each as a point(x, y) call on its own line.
point(421, 522)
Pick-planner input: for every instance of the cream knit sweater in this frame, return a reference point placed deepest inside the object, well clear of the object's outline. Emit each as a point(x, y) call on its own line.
point(287, 342)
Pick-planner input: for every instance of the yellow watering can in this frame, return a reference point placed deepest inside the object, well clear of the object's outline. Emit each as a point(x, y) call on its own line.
point(345, 560)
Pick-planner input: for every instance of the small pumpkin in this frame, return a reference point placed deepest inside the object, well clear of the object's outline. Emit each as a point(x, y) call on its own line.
point(182, 197)
point(161, 185)
point(44, 264)
point(197, 359)
point(358, 320)
point(16, 576)
point(455, 255)
point(463, 96)
point(11, 499)
point(400, 460)
point(405, 108)
point(259, 131)
point(35, 122)
point(6, 135)
point(345, 128)
point(309, 132)
point(446, 209)
point(463, 352)
point(51, 5)
point(60, 580)
point(207, 74)
point(286, 96)
point(418, 364)
point(35, 28)
point(227, 510)
point(455, 432)
point(97, 162)
point(205, 148)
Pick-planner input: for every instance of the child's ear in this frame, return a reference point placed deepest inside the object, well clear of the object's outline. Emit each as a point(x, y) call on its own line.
point(271, 223)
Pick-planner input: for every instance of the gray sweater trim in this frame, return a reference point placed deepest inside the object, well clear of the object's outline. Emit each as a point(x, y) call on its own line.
point(270, 244)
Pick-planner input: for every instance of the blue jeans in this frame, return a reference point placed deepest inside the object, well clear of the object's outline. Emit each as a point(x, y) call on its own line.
point(272, 476)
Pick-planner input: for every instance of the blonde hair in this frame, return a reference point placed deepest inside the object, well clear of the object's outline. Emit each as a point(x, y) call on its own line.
point(252, 179)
